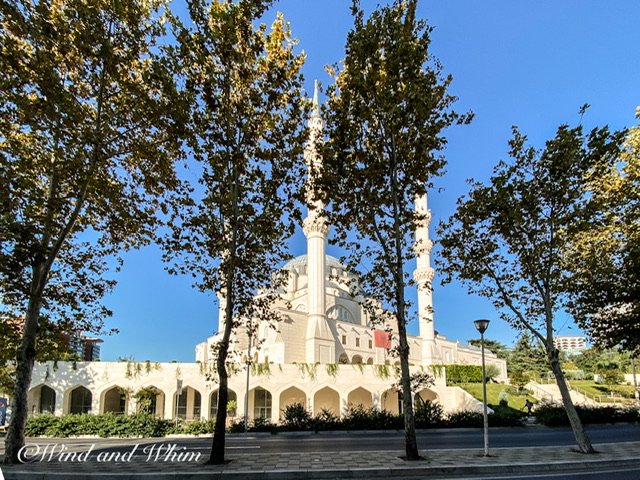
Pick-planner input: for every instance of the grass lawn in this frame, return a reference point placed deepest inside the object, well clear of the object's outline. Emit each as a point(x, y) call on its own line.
point(516, 402)
point(602, 391)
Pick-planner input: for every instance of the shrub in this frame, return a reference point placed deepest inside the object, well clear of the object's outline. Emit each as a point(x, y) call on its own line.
point(261, 424)
point(38, 425)
point(503, 399)
point(236, 426)
point(555, 415)
point(199, 427)
point(326, 420)
point(464, 419)
point(429, 414)
point(519, 379)
point(492, 371)
point(104, 425)
point(296, 417)
point(360, 418)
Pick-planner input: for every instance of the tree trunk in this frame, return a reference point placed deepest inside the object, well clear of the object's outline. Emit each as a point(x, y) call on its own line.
point(24, 371)
point(411, 443)
point(576, 425)
point(218, 443)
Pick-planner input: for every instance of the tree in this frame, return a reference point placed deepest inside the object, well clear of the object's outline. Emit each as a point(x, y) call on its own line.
point(246, 117)
point(500, 350)
point(507, 239)
point(86, 156)
point(604, 257)
point(527, 356)
point(385, 116)
point(587, 360)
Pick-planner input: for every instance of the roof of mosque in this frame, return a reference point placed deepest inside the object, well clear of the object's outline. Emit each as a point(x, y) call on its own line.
point(302, 260)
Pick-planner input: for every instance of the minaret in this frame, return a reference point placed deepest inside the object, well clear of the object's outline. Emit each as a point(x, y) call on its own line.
point(423, 277)
point(319, 343)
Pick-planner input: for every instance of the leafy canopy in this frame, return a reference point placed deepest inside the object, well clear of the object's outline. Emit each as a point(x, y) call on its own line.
point(506, 240)
point(86, 150)
point(604, 256)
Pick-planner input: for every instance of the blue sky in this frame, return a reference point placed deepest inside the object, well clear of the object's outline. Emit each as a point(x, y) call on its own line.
point(526, 63)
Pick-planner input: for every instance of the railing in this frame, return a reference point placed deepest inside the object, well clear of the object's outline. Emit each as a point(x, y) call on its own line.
point(611, 398)
point(539, 392)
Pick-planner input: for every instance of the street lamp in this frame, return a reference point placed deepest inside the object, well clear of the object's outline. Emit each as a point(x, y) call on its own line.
point(246, 393)
point(481, 326)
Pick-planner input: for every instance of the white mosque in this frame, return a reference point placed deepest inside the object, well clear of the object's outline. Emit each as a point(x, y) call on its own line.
point(325, 354)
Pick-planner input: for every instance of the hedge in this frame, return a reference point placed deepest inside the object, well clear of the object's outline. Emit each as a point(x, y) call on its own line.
point(463, 373)
point(555, 415)
point(296, 418)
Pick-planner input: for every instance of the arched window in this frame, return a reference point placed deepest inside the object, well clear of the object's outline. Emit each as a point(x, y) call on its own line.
point(231, 397)
point(261, 403)
point(80, 400)
point(340, 313)
point(47, 400)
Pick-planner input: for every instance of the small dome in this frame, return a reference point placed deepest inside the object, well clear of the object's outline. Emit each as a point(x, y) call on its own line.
point(302, 260)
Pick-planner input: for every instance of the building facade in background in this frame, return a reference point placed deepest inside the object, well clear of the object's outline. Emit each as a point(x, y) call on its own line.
point(572, 344)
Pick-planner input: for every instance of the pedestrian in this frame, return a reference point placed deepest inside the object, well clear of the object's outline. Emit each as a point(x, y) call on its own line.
point(528, 405)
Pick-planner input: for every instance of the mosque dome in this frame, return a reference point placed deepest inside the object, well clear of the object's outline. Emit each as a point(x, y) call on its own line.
point(302, 260)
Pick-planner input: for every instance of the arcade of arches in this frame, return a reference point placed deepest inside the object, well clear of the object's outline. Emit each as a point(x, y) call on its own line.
point(191, 404)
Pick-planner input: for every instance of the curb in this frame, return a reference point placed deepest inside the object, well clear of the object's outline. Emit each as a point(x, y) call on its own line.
point(313, 474)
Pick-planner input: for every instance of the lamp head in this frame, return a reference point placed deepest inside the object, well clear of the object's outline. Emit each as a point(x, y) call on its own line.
point(481, 325)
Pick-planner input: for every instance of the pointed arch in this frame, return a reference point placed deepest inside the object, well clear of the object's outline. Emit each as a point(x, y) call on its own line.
point(291, 396)
point(213, 403)
point(114, 400)
point(360, 396)
point(326, 399)
point(80, 400)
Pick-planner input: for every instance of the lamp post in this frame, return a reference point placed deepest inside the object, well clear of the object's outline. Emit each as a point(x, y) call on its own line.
point(635, 381)
point(481, 326)
point(246, 393)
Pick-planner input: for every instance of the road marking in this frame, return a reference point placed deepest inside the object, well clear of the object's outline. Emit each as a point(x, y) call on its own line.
point(1, 475)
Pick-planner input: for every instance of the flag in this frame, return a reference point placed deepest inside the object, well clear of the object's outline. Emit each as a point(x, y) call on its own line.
point(382, 339)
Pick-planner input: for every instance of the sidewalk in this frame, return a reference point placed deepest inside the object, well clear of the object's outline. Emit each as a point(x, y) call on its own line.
point(370, 464)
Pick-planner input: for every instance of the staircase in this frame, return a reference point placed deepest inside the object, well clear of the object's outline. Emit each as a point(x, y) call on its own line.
point(549, 392)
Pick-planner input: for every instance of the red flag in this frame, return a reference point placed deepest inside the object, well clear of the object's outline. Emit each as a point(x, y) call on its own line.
point(382, 339)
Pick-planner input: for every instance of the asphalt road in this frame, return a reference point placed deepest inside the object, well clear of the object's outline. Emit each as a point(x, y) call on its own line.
point(377, 441)
point(428, 439)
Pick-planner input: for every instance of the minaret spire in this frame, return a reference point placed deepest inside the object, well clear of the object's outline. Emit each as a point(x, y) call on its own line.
point(315, 112)
point(423, 277)
point(319, 343)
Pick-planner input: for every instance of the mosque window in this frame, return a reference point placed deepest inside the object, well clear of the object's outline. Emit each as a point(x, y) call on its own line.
point(344, 339)
point(370, 344)
point(340, 313)
point(261, 403)
point(357, 342)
